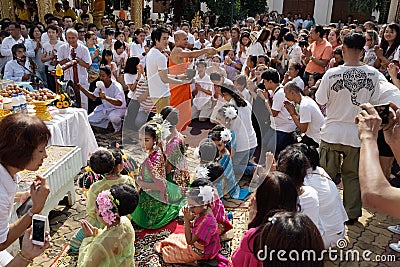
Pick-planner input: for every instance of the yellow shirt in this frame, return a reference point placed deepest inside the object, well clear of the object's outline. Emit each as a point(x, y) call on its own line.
point(58, 15)
point(70, 13)
point(90, 18)
point(23, 14)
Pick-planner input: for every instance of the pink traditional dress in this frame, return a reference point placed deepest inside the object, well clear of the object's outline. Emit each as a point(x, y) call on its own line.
point(218, 209)
point(175, 249)
point(243, 255)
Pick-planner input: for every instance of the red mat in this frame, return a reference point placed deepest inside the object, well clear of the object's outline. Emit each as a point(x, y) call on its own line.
point(173, 227)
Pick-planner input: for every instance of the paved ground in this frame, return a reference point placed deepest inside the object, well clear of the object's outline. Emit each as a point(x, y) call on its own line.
point(369, 234)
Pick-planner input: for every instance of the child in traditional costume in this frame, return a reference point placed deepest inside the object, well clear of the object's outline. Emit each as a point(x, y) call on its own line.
point(108, 163)
point(114, 244)
point(201, 239)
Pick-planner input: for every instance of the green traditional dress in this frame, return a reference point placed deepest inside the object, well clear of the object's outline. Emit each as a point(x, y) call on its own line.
point(156, 208)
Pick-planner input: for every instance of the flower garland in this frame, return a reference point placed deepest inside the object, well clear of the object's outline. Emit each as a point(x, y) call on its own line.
point(106, 202)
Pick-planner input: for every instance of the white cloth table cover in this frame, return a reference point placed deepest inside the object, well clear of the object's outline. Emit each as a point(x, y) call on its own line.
point(72, 128)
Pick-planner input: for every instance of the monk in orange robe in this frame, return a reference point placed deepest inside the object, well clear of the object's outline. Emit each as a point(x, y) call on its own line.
point(181, 95)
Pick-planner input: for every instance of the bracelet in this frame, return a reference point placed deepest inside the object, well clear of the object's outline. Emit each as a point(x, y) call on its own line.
point(29, 261)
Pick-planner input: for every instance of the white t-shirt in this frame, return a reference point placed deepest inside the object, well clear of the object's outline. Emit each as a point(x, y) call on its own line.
point(310, 113)
point(130, 79)
point(331, 210)
point(309, 204)
point(245, 135)
point(343, 89)
point(283, 122)
point(82, 52)
point(155, 62)
point(256, 49)
point(190, 38)
point(299, 81)
point(8, 190)
point(247, 96)
point(47, 49)
point(114, 91)
point(137, 50)
point(294, 52)
point(202, 98)
point(387, 92)
point(197, 45)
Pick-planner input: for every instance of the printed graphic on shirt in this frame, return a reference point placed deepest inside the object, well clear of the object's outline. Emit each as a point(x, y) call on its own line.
point(354, 80)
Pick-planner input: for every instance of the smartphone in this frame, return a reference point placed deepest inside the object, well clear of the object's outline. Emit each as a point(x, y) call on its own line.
point(148, 43)
point(38, 229)
point(383, 111)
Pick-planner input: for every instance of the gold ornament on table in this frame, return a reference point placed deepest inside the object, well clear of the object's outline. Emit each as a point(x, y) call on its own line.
point(196, 21)
point(41, 109)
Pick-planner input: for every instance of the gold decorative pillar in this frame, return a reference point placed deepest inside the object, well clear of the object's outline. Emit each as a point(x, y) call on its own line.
point(136, 12)
point(44, 7)
point(7, 9)
point(98, 8)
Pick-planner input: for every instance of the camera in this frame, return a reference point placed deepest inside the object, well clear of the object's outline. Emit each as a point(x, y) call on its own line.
point(383, 111)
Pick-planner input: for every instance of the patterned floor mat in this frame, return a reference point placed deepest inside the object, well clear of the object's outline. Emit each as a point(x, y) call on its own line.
point(145, 256)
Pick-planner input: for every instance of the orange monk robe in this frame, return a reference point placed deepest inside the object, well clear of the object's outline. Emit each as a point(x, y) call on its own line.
point(181, 95)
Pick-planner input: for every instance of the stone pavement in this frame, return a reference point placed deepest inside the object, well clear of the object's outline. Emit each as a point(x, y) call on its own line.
point(370, 233)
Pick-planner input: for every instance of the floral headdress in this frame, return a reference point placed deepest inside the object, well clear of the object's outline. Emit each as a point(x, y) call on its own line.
point(157, 118)
point(206, 193)
point(106, 203)
point(226, 135)
point(202, 172)
point(162, 126)
point(230, 112)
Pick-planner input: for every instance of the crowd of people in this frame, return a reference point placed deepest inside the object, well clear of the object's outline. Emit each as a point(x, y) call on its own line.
point(291, 103)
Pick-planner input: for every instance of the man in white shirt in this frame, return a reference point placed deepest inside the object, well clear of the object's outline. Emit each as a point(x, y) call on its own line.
point(157, 70)
point(45, 38)
point(234, 41)
point(49, 53)
point(204, 90)
point(113, 107)
point(75, 51)
point(309, 120)
point(18, 68)
point(282, 126)
point(342, 90)
point(186, 28)
point(201, 43)
point(14, 38)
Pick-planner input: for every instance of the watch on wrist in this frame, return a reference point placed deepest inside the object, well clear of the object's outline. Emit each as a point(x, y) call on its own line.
point(311, 58)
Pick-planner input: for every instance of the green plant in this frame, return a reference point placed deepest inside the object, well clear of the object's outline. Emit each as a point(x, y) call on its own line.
point(367, 5)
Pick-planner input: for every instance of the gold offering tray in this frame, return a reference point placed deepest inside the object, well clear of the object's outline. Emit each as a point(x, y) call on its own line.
point(41, 109)
point(4, 113)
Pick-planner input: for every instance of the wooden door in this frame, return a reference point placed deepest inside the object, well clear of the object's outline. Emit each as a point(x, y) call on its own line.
point(299, 6)
point(341, 9)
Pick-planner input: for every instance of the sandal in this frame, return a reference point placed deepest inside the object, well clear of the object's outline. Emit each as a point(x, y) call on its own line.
point(394, 229)
point(395, 246)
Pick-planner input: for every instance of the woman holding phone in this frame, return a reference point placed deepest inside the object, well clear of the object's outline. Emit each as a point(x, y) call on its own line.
point(23, 141)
